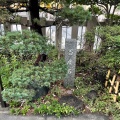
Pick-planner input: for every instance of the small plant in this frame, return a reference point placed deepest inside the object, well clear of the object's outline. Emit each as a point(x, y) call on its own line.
point(85, 61)
point(7, 66)
point(21, 109)
point(89, 36)
point(15, 111)
point(14, 104)
point(56, 91)
point(53, 53)
point(114, 109)
point(47, 105)
point(55, 108)
point(18, 110)
point(83, 86)
point(25, 109)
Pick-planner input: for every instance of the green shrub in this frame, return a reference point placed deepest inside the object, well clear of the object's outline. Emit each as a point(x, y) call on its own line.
point(24, 81)
point(23, 44)
point(110, 47)
point(53, 53)
point(95, 10)
point(89, 37)
point(84, 84)
point(112, 56)
point(75, 15)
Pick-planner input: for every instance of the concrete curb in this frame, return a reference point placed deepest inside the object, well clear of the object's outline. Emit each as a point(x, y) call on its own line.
point(4, 115)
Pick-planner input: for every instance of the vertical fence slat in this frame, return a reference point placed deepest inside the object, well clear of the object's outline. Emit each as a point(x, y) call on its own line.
point(24, 22)
point(7, 27)
point(58, 37)
point(44, 31)
point(74, 32)
point(43, 22)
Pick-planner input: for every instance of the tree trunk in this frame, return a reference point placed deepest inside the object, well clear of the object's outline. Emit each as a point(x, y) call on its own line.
point(91, 24)
point(34, 14)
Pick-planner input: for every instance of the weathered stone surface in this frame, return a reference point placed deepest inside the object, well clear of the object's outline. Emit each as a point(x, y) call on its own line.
point(92, 94)
point(93, 117)
point(70, 58)
point(72, 101)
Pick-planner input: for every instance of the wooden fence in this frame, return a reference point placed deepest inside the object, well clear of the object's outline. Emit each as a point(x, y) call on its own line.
point(56, 34)
point(113, 84)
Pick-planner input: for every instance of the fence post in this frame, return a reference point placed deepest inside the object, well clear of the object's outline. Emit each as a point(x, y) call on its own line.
point(74, 32)
point(24, 22)
point(58, 39)
point(3, 104)
point(7, 27)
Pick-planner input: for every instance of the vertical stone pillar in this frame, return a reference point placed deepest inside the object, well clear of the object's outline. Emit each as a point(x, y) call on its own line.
point(70, 58)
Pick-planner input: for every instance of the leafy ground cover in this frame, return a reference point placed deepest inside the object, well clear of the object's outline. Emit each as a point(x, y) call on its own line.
point(101, 102)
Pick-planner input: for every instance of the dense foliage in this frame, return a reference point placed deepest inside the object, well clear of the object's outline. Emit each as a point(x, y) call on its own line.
point(110, 46)
point(26, 80)
point(107, 7)
point(75, 15)
point(23, 44)
point(7, 65)
point(21, 79)
point(108, 53)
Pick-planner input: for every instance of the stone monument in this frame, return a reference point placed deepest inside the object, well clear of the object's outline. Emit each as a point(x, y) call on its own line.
point(70, 58)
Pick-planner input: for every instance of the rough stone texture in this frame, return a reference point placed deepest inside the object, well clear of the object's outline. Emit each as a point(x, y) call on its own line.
point(72, 101)
point(70, 58)
point(93, 117)
point(92, 94)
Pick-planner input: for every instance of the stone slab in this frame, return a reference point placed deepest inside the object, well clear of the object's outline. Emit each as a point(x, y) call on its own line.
point(70, 58)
